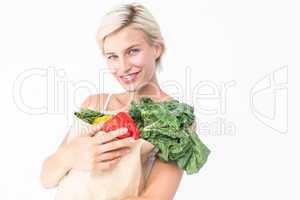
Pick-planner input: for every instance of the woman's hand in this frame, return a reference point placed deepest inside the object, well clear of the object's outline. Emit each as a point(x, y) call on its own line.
point(97, 150)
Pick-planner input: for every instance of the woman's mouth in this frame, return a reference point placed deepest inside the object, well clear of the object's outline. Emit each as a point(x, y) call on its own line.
point(130, 78)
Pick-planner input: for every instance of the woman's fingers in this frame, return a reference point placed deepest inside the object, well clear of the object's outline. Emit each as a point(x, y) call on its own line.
point(118, 144)
point(106, 165)
point(109, 149)
point(92, 130)
point(103, 137)
point(112, 155)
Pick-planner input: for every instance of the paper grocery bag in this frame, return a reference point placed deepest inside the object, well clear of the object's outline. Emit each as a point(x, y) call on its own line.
point(127, 178)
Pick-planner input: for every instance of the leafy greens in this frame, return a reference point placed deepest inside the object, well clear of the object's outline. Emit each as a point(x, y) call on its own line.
point(167, 125)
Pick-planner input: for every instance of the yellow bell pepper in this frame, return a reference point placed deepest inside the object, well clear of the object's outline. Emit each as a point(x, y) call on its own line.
point(101, 119)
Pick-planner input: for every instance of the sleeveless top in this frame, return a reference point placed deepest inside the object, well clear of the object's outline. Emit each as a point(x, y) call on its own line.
point(104, 109)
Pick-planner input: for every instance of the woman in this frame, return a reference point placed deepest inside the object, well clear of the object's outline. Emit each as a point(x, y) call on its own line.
point(132, 45)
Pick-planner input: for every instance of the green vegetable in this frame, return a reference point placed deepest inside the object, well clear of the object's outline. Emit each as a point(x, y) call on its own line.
point(167, 125)
point(88, 115)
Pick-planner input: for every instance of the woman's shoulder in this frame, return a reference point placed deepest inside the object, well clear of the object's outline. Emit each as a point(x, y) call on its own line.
point(167, 97)
point(164, 97)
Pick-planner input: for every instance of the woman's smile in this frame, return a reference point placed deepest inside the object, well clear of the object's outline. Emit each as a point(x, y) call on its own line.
point(129, 78)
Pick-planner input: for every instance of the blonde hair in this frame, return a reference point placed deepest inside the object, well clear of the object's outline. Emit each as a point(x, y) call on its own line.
point(135, 15)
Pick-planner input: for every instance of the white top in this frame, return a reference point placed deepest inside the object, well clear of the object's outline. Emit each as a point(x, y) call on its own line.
point(104, 109)
point(106, 102)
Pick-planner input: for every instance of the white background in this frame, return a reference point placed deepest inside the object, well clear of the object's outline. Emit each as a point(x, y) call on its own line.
point(209, 43)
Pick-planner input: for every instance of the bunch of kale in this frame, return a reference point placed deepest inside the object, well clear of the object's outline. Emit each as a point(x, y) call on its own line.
point(167, 125)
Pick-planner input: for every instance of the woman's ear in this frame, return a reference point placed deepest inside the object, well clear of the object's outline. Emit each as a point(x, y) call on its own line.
point(157, 50)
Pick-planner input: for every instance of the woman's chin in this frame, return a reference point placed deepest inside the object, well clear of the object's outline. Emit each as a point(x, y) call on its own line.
point(131, 87)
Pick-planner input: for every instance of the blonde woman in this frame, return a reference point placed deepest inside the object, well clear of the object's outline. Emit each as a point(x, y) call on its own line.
point(132, 44)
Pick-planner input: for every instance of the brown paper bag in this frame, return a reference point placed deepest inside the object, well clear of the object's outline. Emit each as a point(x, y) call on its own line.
point(126, 179)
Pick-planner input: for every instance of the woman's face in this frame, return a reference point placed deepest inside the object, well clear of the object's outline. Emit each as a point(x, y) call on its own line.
point(130, 57)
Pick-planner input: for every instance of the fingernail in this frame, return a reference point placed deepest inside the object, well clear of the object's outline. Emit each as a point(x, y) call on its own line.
point(116, 132)
point(131, 140)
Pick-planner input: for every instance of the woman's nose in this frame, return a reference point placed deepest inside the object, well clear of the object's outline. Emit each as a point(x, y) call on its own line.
point(124, 66)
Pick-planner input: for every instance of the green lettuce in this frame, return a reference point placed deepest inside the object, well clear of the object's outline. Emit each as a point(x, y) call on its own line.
point(167, 125)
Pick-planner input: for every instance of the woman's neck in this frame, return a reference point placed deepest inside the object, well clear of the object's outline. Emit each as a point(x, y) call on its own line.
point(151, 89)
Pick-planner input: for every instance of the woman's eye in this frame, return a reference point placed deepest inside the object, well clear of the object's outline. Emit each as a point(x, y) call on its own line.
point(112, 57)
point(133, 51)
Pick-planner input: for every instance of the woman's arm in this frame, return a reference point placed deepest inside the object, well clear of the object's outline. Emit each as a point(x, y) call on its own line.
point(162, 183)
point(55, 167)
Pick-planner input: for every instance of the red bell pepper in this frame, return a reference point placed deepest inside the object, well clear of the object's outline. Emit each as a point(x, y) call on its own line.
point(122, 120)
